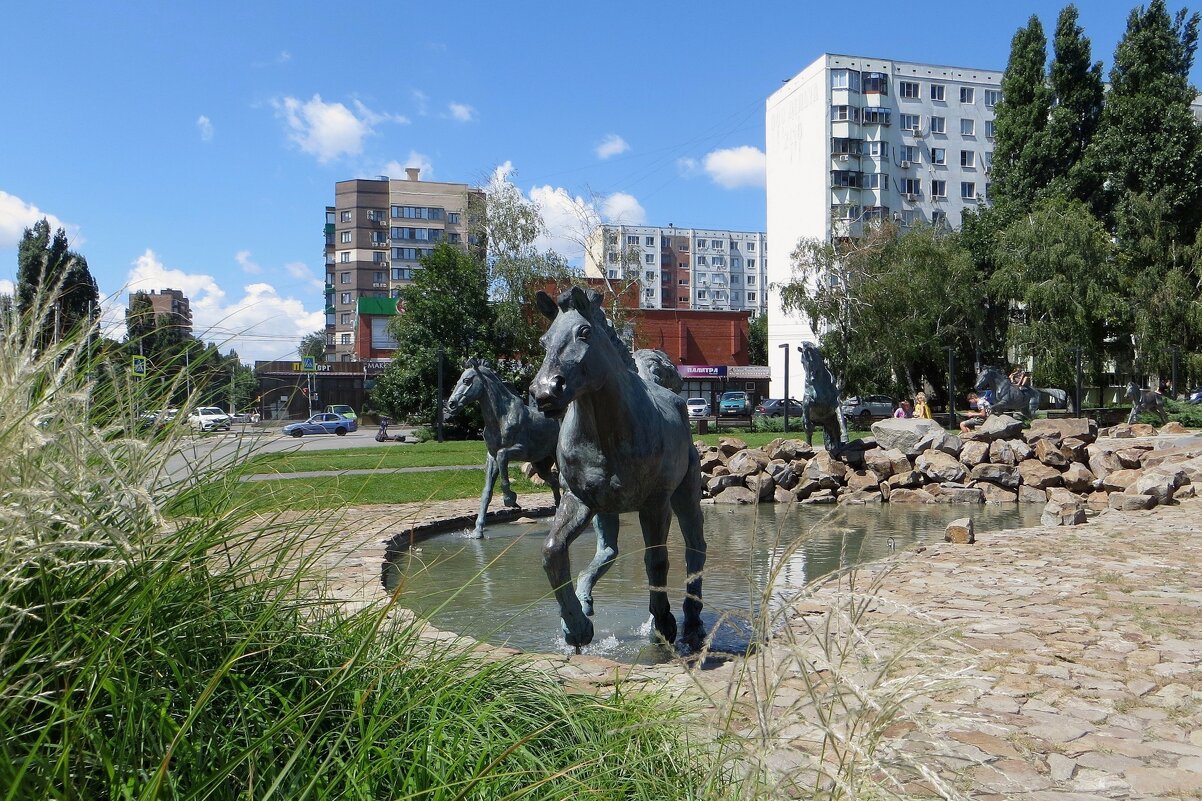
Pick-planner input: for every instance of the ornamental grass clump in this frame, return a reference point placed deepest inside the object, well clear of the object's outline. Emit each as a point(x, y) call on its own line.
point(186, 655)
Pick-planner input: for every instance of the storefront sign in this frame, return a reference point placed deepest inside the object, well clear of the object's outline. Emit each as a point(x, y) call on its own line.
point(702, 370)
point(752, 372)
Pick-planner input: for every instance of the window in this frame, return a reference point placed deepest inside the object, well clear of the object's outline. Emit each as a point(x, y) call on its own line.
point(968, 127)
point(396, 273)
point(968, 190)
point(453, 218)
point(875, 83)
point(908, 153)
point(718, 261)
point(344, 256)
point(938, 155)
point(612, 273)
point(348, 216)
point(649, 258)
point(379, 237)
point(876, 180)
point(846, 147)
point(717, 244)
point(876, 116)
point(990, 129)
point(845, 79)
point(845, 114)
point(967, 94)
point(845, 178)
point(908, 89)
point(649, 241)
point(910, 122)
point(751, 264)
point(992, 97)
point(968, 158)
point(375, 215)
point(876, 213)
point(377, 277)
point(751, 246)
point(683, 281)
point(345, 297)
point(703, 294)
point(734, 279)
point(344, 318)
point(877, 150)
point(751, 297)
point(395, 293)
point(344, 278)
point(937, 91)
point(938, 125)
point(751, 280)
point(938, 218)
point(938, 188)
point(453, 238)
point(844, 211)
point(345, 237)
point(911, 186)
point(988, 160)
point(344, 339)
point(632, 240)
point(378, 256)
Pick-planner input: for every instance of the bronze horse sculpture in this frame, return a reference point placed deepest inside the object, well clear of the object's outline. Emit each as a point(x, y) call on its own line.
point(624, 446)
point(1007, 396)
point(1145, 400)
point(512, 430)
point(820, 401)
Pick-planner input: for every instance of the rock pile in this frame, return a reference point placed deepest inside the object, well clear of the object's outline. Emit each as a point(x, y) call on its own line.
point(1066, 464)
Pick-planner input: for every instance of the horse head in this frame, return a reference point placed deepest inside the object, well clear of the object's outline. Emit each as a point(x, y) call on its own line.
point(1133, 391)
point(467, 388)
point(989, 378)
point(576, 345)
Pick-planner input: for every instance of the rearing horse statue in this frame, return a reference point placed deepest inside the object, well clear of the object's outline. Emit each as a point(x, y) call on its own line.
point(624, 446)
point(1145, 400)
point(1007, 396)
point(820, 401)
point(512, 430)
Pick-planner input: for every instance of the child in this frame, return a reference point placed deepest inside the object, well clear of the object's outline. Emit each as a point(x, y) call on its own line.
point(903, 411)
point(920, 406)
point(980, 410)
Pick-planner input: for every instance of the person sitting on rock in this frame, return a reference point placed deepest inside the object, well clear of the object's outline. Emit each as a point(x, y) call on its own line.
point(1020, 377)
point(979, 410)
point(921, 409)
point(903, 411)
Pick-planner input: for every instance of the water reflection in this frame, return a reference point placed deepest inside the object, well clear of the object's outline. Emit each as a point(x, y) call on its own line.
point(495, 589)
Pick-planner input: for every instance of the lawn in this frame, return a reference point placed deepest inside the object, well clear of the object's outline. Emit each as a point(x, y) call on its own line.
point(382, 457)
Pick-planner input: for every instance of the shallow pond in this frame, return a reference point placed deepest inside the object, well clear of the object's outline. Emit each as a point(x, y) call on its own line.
point(495, 589)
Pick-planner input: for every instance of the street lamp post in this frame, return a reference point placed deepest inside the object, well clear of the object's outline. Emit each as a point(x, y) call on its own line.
point(1077, 353)
point(1176, 356)
point(951, 385)
point(785, 400)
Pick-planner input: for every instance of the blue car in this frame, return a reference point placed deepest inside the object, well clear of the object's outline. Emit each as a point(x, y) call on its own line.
point(322, 423)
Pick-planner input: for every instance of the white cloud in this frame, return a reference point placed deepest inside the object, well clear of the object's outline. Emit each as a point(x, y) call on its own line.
point(261, 324)
point(423, 102)
point(330, 130)
point(612, 145)
point(16, 215)
point(205, 125)
point(396, 169)
point(284, 57)
point(7, 287)
point(569, 218)
point(735, 167)
point(248, 266)
point(686, 166)
point(623, 209)
point(461, 112)
point(301, 272)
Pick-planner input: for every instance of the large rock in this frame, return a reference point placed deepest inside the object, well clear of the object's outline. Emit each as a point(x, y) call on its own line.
point(1143, 430)
point(1063, 511)
point(1120, 480)
point(862, 479)
point(958, 494)
point(710, 460)
point(820, 497)
point(939, 466)
point(782, 495)
point(1171, 427)
point(960, 531)
point(762, 484)
point(903, 434)
point(1075, 449)
point(784, 474)
point(1078, 478)
point(1125, 502)
point(748, 462)
point(905, 495)
point(1000, 474)
point(736, 495)
point(1048, 452)
point(1103, 460)
point(909, 479)
point(1000, 426)
point(1131, 458)
point(1002, 452)
point(861, 496)
point(1031, 494)
point(940, 440)
point(1159, 482)
point(1063, 427)
point(789, 449)
point(1022, 451)
point(719, 483)
point(992, 493)
point(880, 461)
point(729, 446)
point(1037, 474)
point(825, 470)
point(1182, 450)
point(974, 453)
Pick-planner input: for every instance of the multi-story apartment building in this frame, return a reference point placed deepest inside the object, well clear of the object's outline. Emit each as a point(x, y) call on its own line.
point(375, 233)
point(854, 139)
point(683, 268)
point(170, 303)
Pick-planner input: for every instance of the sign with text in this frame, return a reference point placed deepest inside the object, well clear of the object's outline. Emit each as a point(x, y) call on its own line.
point(702, 370)
point(310, 365)
point(751, 371)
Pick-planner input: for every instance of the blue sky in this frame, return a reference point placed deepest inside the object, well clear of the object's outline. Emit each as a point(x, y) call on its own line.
point(195, 145)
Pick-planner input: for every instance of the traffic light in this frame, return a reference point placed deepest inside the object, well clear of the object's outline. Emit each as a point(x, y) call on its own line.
point(305, 391)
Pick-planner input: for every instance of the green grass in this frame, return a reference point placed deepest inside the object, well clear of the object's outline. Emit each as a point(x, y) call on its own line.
point(757, 439)
point(384, 456)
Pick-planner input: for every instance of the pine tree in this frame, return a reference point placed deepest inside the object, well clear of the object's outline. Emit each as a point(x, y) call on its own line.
point(1076, 85)
point(1020, 164)
point(54, 283)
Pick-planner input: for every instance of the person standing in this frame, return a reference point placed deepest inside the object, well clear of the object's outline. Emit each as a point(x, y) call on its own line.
point(921, 409)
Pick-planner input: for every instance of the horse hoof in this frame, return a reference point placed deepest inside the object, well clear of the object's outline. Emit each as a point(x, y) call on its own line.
point(511, 500)
point(478, 534)
point(665, 629)
point(693, 637)
point(579, 638)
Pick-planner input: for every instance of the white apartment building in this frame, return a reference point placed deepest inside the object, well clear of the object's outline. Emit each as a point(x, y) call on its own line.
point(852, 139)
point(684, 268)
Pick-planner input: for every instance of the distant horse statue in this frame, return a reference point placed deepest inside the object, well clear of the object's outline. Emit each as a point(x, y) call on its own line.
point(655, 365)
point(1007, 396)
point(820, 401)
point(624, 446)
point(1145, 400)
point(512, 430)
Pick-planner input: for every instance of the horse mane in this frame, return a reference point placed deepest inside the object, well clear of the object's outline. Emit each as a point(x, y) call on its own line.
point(596, 315)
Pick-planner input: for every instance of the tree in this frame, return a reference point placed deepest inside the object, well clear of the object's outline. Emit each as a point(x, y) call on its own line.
point(1020, 163)
point(445, 307)
point(889, 303)
point(1057, 266)
point(54, 284)
point(314, 345)
point(757, 347)
point(1076, 84)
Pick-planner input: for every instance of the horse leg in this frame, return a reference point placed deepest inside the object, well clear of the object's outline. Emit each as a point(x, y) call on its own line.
point(1160, 410)
point(655, 518)
point(606, 526)
point(686, 503)
point(570, 519)
point(509, 497)
point(490, 478)
point(543, 468)
point(807, 424)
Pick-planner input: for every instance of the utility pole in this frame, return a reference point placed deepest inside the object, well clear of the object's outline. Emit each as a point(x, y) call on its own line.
point(951, 386)
point(438, 400)
point(785, 400)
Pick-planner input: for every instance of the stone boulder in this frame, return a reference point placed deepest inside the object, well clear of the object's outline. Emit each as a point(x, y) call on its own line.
point(1143, 430)
point(747, 462)
point(905, 495)
point(939, 466)
point(903, 434)
point(861, 496)
point(789, 449)
point(825, 470)
point(719, 483)
point(1037, 474)
point(940, 440)
point(1063, 510)
point(1002, 452)
point(736, 495)
point(1000, 426)
point(1059, 428)
point(1048, 452)
point(960, 531)
point(1182, 450)
point(782, 495)
point(1074, 449)
point(1125, 502)
point(1022, 451)
point(992, 493)
point(784, 474)
point(1131, 458)
point(862, 479)
point(952, 493)
point(1097, 501)
point(1160, 482)
point(709, 461)
point(1078, 478)
point(1103, 460)
point(762, 484)
point(974, 453)
point(729, 446)
point(880, 461)
point(1028, 494)
point(999, 474)
point(1171, 427)
point(1120, 480)
point(820, 497)
point(909, 479)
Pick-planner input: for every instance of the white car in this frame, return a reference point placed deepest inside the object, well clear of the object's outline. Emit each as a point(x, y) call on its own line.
point(698, 407)
point(209, 418)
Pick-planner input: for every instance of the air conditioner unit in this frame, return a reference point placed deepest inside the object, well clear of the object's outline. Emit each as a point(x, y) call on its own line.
point(844, 157)
point(910, 196)
point(378, 285)
point(988, 170)
point(905, 165)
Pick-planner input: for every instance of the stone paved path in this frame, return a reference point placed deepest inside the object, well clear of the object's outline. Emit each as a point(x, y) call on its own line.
point(1046, 664)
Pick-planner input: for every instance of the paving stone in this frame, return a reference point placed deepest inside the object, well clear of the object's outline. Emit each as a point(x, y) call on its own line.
point(1162, 781)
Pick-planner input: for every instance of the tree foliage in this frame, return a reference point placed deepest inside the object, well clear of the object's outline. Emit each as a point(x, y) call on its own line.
point(53, 284)
point(1021, 167)
point(757, 334)
point(314, 345)
point(1076, 85)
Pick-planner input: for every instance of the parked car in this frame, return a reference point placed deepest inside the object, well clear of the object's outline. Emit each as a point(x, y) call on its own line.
point(343, 410)
point(863, 410)
point(698, 407)
point(734, 404)
point(322, 423)
point(209, 418)
point(775, 407)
